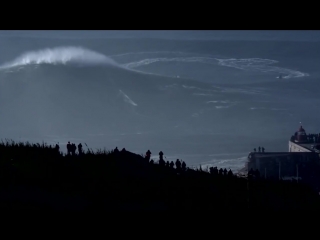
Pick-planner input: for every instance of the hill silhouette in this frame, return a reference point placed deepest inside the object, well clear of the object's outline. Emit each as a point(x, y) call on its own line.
point(41, 177)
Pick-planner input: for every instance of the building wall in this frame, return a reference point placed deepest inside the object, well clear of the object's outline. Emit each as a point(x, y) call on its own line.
point(293, 147)
point(287, 163)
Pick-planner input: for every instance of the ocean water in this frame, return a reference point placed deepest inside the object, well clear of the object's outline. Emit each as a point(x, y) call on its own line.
point(206, 97)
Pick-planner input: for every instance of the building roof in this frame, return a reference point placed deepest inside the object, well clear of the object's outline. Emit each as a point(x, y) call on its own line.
point(307, 146)
point(311, 146)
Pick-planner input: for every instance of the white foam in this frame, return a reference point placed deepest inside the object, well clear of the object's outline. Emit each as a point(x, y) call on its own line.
point(202, 94)
point(176, 59)
point(190, 87)
point(247, 64)
point(279, 109)
point(234, 164)
point(219, 107)
point(60, 55)
point(201, 89)
point(273, 109)
point(140, 53)
point(239, 90)
point(127, 99)
point(260, 65)
point(217, 102)
point(256, 108)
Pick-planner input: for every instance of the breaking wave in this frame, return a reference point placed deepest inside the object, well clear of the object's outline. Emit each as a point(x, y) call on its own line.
point(84, 57)
point(60, 55)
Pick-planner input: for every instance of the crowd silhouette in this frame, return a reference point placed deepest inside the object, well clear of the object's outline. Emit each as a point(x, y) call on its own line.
point(310, 138)
point(105, 180)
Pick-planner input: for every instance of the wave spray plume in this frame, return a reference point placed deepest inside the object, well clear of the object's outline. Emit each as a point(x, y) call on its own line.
point(61, 55)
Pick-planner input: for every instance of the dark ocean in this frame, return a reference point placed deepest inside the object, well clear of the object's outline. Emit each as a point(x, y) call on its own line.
point(206, 97)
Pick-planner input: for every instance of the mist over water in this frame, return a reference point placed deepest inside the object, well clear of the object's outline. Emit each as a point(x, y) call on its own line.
point(206, 98)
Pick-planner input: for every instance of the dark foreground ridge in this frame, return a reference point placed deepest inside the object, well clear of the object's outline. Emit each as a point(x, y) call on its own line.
point(40, 177)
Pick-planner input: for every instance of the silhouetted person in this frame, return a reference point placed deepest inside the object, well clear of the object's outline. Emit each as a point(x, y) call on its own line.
point(116, 150)
point(73, 149)
point(167, 164)
point(148, 155)
point(259, 149)
point(57, 148)
point(225, 171)
point(178, 164)
point(171, 164)
point(254, 150)
point(263, 149)
point(123, 150)
point(184, 166)
point(220, 171)
point(69, 148)
point(161, 155)
point(215, 170)
point(230, 174)
point(80, 148)
point(211, 170)
point(162, 162)
point(151, 162)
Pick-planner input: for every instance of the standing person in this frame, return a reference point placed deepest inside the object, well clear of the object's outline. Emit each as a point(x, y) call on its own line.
point(80, 148)
point(161, 155)
point(148, 155)
point(69, 148)
point(167, 164)
point(162, 162)
point(74, 148)
point(178, 164)
point(184, 166)
point(225, 171)
point(171, 164)
point(57, 147)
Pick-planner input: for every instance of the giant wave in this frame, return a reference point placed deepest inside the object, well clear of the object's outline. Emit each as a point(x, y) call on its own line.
point(80, 56)
point(61, 55)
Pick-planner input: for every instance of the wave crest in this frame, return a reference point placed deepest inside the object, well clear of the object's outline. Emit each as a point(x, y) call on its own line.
point(61, 55)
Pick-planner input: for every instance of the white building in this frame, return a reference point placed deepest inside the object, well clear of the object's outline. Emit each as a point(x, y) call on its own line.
point(301, 142)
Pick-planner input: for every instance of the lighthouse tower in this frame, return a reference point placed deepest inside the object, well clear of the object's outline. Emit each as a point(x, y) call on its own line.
point(300, 135)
